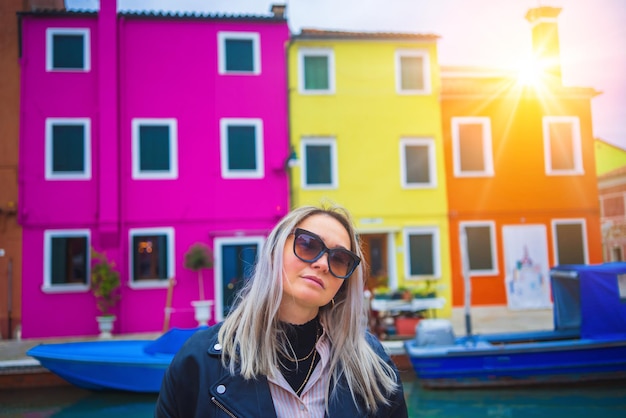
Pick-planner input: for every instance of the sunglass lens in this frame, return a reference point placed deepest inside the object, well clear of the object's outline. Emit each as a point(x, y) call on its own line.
point(307, 247)
point(341, 262)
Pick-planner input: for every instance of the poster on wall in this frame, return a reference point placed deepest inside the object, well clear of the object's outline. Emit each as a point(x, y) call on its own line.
point(527, 278)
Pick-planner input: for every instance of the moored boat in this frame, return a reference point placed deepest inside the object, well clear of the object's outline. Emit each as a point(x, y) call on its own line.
point(588, 342)
point(128, 365)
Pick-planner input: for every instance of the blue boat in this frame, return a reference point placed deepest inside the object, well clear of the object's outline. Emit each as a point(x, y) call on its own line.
point(127, 365)
point(587, 344)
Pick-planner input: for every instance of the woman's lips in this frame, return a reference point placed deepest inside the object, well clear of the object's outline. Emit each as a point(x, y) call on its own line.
point(317, 280)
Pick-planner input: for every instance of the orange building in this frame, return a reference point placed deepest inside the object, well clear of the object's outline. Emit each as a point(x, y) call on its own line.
point(520, 168)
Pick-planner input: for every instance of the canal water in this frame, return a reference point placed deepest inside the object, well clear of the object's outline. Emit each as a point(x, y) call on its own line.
point(598, 401)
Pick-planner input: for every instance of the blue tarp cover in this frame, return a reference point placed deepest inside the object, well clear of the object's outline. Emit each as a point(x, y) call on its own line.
point(588, 297)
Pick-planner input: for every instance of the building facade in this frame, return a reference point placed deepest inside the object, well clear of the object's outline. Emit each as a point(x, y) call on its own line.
point(522, 189)
point(141, 135)
point(365, 123)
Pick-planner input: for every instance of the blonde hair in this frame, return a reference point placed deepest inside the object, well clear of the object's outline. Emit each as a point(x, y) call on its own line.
point(251, 335)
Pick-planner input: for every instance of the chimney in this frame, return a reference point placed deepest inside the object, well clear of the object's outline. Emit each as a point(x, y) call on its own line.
point(545, 37)
point(278, 10)
point(34, 5)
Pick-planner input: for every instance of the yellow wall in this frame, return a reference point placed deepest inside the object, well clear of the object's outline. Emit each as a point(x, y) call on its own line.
point(608, 157)
point(368, 119)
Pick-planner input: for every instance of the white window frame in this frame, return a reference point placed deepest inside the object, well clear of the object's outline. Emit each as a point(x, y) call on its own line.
point(218, 243)
point(423, 230)
point(257, 173)
point(52, 175)
point(334, 173)
point(576, 145)
point(555, 249)
point(48, 286)
point(426, 71)
point(256, 51)
point(171, 268)
point(320, 52)
point(170, 174)
point(494, 248)
point(51, 32)
point(488, 170)
point(432, 171)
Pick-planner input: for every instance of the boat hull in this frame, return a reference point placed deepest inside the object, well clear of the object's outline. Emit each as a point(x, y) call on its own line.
point(126, 365)
point(482, 364)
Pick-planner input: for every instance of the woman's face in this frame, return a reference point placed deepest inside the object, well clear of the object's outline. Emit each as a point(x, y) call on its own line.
point(308, 286)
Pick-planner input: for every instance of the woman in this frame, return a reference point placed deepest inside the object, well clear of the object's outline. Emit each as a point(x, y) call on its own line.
point(295, 344)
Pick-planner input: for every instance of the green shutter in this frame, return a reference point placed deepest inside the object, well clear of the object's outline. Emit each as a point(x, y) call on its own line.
point(471, 143)
point(318, 165)
point(154, 148)
point(417, 164)
point(68, 262)
point(68, 148)
point(570, 245)
point(58, 262)
point(68, 51)
point(239, 55)
point(242, 148)
point(316, 75)
point(421, 253)
point(479, 247)
point(412, 69)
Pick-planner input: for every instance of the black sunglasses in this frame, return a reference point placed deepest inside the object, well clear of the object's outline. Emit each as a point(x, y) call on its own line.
point(309, 248)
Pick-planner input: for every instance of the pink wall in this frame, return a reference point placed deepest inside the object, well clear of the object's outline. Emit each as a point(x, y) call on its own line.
point(167, 69)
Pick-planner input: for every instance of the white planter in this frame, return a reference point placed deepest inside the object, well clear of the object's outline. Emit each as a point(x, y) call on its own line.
point(202, 311)
point(105, 324)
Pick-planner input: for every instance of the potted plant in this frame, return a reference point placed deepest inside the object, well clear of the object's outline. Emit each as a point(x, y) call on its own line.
point(105, 284)
point(197, 258)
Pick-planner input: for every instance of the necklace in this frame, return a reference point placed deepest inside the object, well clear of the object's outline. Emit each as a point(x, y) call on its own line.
point(317, 336)
point(308, 375)
point(303, 358)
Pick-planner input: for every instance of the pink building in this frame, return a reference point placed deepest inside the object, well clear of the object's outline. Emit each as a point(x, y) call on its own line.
point(140, 135)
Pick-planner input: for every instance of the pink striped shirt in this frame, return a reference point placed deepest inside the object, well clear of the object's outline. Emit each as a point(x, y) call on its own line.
point(311, 403)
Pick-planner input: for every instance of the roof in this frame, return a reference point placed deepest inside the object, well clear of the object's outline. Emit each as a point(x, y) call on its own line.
point(618, 172)
point(464, 81)
point(158, 15)
point(308, 33)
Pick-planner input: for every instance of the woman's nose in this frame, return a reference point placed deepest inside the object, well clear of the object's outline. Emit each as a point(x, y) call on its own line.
point(322, 262)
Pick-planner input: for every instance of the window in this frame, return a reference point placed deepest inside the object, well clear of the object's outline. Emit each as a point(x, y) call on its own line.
point(612, 205)
point(68, 149)
point(471, 147)
point(241, 148)
point(66, 260)
point(151, 256)
point(481, 247)
point(422, 260)
point(67, 50)
point(319, 167)
point(235, 258)
point(570, 241)
point(155, 149)
point(239, 53)
point(412, 72)
point(417, 163)
point(316, 71)
point(562, 146)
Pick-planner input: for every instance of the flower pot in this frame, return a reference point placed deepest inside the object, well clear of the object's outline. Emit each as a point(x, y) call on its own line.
point(202, 311)
point(105, 325)
point(406, 326)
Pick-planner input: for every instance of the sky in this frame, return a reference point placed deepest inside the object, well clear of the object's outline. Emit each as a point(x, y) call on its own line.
point(492, 33)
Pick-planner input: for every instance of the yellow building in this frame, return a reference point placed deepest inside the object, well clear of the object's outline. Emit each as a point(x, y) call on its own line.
point(608, 157)
point(365, 124)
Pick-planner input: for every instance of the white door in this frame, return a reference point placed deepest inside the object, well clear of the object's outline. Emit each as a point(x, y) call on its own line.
point(527, 278)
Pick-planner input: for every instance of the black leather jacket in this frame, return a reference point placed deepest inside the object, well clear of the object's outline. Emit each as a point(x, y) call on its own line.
point(197, 385)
